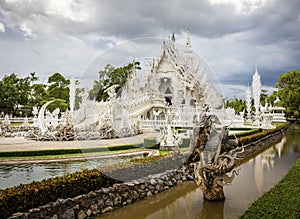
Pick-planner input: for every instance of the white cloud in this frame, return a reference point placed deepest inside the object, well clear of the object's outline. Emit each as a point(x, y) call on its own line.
point(242, 6)
point(27, 31)
point(69, 9)
point(2, 27)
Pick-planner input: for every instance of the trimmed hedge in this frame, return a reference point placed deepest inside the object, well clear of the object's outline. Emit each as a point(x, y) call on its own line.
point(254, 137)
point(246, 133)
point(67, 151)
point(25, 197)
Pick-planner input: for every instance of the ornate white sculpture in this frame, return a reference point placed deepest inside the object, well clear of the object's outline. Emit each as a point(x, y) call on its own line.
point(6, 121)
point(111, 91)
point(277, 111)
point(169, 139)
point(41, 119)
point(256, 91)
point(72, 94)
point(248, 106)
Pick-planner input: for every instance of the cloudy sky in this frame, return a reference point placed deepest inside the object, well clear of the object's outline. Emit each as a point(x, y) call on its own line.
point(233, 36)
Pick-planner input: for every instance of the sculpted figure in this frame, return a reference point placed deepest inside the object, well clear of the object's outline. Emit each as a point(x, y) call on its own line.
point(210, 166)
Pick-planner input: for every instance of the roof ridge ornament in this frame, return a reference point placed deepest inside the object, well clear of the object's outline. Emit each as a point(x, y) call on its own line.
point(173, 37)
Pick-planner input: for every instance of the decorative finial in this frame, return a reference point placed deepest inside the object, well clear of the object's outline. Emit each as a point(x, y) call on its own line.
point(173, 37)
point(188, 46)
point(188, 41)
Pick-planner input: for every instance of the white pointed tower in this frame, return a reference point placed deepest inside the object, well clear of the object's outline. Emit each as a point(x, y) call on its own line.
point(256, 91)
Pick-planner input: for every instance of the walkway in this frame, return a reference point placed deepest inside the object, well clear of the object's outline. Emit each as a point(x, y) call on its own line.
point(21, 144)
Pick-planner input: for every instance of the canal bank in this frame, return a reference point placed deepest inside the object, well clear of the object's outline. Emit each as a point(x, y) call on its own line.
point(84, 210)
point(270, 205)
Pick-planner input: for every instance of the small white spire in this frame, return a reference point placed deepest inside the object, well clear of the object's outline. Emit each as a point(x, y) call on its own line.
point(173, 37)
point(256, 72)
point(188, 44)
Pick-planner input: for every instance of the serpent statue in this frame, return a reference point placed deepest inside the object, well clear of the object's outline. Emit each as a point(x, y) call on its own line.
point(211, 168)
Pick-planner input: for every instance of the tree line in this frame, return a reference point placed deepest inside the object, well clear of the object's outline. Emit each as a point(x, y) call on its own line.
point(19, 95)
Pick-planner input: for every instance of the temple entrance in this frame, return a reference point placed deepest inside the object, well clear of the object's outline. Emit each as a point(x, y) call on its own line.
point(166, 89)
point(168, 100)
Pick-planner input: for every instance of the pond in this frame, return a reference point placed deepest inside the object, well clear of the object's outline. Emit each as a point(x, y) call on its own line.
point(13, 175)
point(256, 176)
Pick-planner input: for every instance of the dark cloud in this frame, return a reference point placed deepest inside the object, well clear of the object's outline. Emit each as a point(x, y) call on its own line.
point(232, 39)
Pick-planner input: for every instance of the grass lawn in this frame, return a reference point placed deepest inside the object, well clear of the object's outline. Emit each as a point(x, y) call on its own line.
point(69, 155)
point(282, 201)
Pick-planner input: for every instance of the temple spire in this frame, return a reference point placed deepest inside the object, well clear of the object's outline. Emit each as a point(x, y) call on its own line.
point(188, 45)
point(256, 72)
point(188, 48)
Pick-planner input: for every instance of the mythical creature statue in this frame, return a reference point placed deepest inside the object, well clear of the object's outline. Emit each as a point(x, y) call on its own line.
point(210, 166)
point(111, 91)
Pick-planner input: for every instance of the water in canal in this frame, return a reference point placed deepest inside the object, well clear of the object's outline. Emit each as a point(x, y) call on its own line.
point(185, 201)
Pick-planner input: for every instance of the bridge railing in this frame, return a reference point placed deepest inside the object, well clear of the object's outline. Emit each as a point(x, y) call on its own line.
point(161, 123)
point(17, 119)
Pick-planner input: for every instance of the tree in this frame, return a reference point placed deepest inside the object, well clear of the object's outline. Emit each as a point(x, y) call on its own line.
point(58, 90)
point(263, 96)
point(288, 85)
point(110, 76)
point(237, 104)
point(39, 94)
point(14, 93)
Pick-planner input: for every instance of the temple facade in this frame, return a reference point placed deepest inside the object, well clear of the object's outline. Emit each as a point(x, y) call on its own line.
point(175, 82)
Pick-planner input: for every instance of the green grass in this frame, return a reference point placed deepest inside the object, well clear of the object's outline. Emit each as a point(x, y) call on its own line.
point(68, 155)
point(282, 201)
point(67, 151)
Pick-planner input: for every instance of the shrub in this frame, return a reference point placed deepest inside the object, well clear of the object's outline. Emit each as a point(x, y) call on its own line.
point(254, 137)
point(27, 196)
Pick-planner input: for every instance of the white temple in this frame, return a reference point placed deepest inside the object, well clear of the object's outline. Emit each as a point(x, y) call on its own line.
point(175, 80)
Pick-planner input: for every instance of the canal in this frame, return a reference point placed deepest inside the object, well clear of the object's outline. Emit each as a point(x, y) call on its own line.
point(256, 176)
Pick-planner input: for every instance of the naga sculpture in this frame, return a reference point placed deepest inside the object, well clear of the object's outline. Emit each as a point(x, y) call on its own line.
point(211, 168)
